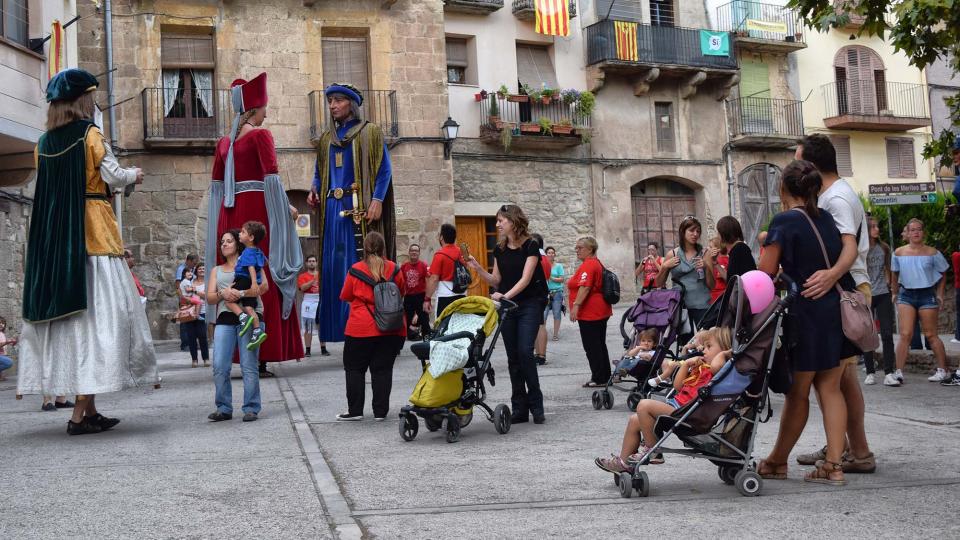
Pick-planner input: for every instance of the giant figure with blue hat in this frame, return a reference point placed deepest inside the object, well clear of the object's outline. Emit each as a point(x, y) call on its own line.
point(84, 329)
point(352, 188)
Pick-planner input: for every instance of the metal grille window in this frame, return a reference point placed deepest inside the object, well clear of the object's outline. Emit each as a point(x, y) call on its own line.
point(663, 111)
point(900, 158)
point(13, 21)
point(534, 67)
point(844, 158)
point(662, 13)
point(457, 61)
point(345, 60)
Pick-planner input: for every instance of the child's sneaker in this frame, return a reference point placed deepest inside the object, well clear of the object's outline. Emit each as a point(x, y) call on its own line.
point(245, 322)
point(256, 338)
point(954, 380)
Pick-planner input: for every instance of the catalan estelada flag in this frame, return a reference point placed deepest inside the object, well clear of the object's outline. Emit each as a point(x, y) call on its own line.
point(553, 17)
point(626, 36)
point(55, 54)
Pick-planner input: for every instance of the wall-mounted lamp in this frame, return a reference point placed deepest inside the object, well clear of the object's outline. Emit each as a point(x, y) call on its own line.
point(449, 130)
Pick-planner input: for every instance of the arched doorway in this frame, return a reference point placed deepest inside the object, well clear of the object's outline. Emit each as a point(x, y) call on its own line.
point(659, 205)
point(759, 186)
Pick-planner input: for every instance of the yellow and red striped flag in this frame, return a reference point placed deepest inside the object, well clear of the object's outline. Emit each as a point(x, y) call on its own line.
point(55, 55)
point(553, 17)
point(626, 36)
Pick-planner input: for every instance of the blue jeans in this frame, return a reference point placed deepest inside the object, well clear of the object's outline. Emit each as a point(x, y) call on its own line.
point(225, 342)
point(5, 362)
point(554, 305)
point(520, 330)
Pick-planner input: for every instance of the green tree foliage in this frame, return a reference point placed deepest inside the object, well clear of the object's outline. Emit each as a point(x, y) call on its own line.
point(924, 30)
point(940, 231)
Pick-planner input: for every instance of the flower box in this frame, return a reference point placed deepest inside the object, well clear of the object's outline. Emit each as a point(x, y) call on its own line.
point(518, 98)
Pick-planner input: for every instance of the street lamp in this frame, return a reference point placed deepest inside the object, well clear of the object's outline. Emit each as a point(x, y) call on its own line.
point(449, 131)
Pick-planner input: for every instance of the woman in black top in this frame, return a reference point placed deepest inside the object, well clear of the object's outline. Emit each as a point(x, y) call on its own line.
point(740, 257)
point(517, 277)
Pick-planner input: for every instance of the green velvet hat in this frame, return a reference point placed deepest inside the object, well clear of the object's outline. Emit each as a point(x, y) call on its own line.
point(70, 84)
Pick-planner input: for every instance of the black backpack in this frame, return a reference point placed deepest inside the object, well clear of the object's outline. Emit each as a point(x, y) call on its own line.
point(461, 276)
point(610, 286)
point(387, 309)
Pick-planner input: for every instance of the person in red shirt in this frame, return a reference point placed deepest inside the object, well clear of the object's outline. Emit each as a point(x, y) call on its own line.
point(440, 280)
point(955, 259)
point(415, 273)
point(309, 284)
point(690, 376)
point(720, 262)
point(365, 345)
point(540, 346)
point(590, 310)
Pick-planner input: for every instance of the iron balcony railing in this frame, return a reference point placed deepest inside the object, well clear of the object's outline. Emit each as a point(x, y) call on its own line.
point(379, 107)
point(655, 45)
point(176, 113)
point(756, 116)
point(875, 97)
point(760, 21)
point(530, 112)
point(473, 6)
point(524, 9)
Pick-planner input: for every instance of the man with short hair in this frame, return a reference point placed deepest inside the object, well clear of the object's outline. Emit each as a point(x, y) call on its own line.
point(440, 280)
point(415, 273)
point(188, 264)
point(309, 284)
point(843, 203)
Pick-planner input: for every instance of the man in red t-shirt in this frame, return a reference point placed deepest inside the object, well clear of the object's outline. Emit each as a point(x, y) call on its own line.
point(415, 273)
point(440, 280)
point(309, 284)
point(955, 259)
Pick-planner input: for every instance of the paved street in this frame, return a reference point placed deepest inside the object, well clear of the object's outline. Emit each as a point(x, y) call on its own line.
point(166, 472)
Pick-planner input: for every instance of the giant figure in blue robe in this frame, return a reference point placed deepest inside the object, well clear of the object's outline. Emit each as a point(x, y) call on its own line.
point(352, 187)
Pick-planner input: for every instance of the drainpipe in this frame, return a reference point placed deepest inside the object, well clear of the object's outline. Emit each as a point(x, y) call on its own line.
point(727, 161)
point(108, 34)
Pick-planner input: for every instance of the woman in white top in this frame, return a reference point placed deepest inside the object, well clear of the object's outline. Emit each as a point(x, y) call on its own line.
point(196, 330)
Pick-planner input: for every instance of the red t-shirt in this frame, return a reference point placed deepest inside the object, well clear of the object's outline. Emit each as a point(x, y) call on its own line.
point(360, 297)
point(689, 391)
point(442, 264)
point(305, 278)
point(721, 284)
point(589, 274)
point(415, 275)
point(955, 258)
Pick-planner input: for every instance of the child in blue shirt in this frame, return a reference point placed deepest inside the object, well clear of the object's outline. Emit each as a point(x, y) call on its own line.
point(249, 270)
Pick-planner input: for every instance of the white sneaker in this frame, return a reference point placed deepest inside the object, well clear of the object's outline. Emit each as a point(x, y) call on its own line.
point(869, 379)
point(891, 380)
point(954, 340)
point(654, 382)
point(940, 375)
point(899, 375)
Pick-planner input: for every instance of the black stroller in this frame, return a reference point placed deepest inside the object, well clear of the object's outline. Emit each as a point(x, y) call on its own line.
point(451, 398)
point(660, 309)
point(720, 423)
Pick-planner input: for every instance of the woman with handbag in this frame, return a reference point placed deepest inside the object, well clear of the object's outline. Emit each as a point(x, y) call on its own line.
point(194, 310)
point(686, 265)
point(813, 338)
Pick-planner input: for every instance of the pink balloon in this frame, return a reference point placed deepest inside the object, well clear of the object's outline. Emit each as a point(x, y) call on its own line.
point(759, 290)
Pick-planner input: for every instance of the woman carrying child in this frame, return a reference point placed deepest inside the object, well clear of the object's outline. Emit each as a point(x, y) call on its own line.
point(690, 375)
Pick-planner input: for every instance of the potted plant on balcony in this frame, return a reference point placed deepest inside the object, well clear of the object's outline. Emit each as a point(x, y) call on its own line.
point(564, 127)
point(585, 104)
point(534, 96)
point(529, 128)
point(546, 95)
point(521, 97)
point(480, 96)
point(569, 96)
point(503, 91)
point(494, 112)
point(545, 125)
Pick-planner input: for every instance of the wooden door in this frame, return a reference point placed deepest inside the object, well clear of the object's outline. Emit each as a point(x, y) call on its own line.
point(472, 233)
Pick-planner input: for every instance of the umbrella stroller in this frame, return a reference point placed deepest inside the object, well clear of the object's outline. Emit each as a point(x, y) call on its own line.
point(455, 364)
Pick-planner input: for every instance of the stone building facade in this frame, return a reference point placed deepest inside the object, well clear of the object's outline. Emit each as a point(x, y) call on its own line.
point(175, 61)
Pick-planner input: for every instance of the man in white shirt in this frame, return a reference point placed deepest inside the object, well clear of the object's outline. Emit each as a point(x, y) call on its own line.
point(843, 203)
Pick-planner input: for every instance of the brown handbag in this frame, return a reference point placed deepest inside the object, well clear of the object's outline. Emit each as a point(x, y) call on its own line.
point(187, 313)
point(855, 315)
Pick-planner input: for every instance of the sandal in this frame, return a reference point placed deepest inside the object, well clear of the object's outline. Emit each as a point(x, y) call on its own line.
point(556, 338)
point(772, 471)
point(591, 384)
point(826, 473)
point(612, 464)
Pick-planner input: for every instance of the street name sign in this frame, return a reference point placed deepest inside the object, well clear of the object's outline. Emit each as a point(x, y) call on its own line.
point(903, 198)
point(912, 187)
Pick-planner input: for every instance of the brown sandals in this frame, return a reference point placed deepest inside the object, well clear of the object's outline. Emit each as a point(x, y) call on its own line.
point(772, 471)
point(826, 472)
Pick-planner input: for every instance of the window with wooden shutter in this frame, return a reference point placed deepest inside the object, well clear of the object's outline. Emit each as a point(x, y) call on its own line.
point(457, 61)
point(187, 51)
point(861, 83)
point(534, 67)
point(187, 93)
point(663, 111)
point(900, 158)
point(841, 143)
point(346, 60)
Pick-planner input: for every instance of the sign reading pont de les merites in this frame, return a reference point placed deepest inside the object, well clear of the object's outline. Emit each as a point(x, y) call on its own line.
point(911, 187)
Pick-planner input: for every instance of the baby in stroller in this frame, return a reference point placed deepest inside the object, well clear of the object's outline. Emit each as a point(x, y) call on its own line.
point(643, 352)
point(690, 376)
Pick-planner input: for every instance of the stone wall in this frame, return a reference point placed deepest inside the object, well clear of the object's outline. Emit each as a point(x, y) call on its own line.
point(166, 217)
point(15, 210)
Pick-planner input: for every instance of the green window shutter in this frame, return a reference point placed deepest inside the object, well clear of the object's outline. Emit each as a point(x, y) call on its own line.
point(754, 79)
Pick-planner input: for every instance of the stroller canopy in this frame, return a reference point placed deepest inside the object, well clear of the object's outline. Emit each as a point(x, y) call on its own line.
point(477, 305)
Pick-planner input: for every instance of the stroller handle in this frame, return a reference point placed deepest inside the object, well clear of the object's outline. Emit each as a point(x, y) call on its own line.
point(507, 305)
point(454, 336)
point(792, 290)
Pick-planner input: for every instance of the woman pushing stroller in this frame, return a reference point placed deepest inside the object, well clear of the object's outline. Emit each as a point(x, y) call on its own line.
point(690, 375)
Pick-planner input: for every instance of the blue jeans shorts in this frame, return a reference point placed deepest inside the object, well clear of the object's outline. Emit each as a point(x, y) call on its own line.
point(918, 298)
point(554, 305)
point(673, 403)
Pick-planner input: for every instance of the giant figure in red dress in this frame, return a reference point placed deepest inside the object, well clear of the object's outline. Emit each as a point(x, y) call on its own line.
point(246, 186)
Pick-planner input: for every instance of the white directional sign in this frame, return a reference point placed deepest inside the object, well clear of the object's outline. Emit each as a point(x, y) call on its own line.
point(908, 198)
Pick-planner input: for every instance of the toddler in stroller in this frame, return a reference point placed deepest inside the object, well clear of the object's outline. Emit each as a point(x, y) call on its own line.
point(643, 352)
point(691, 375)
